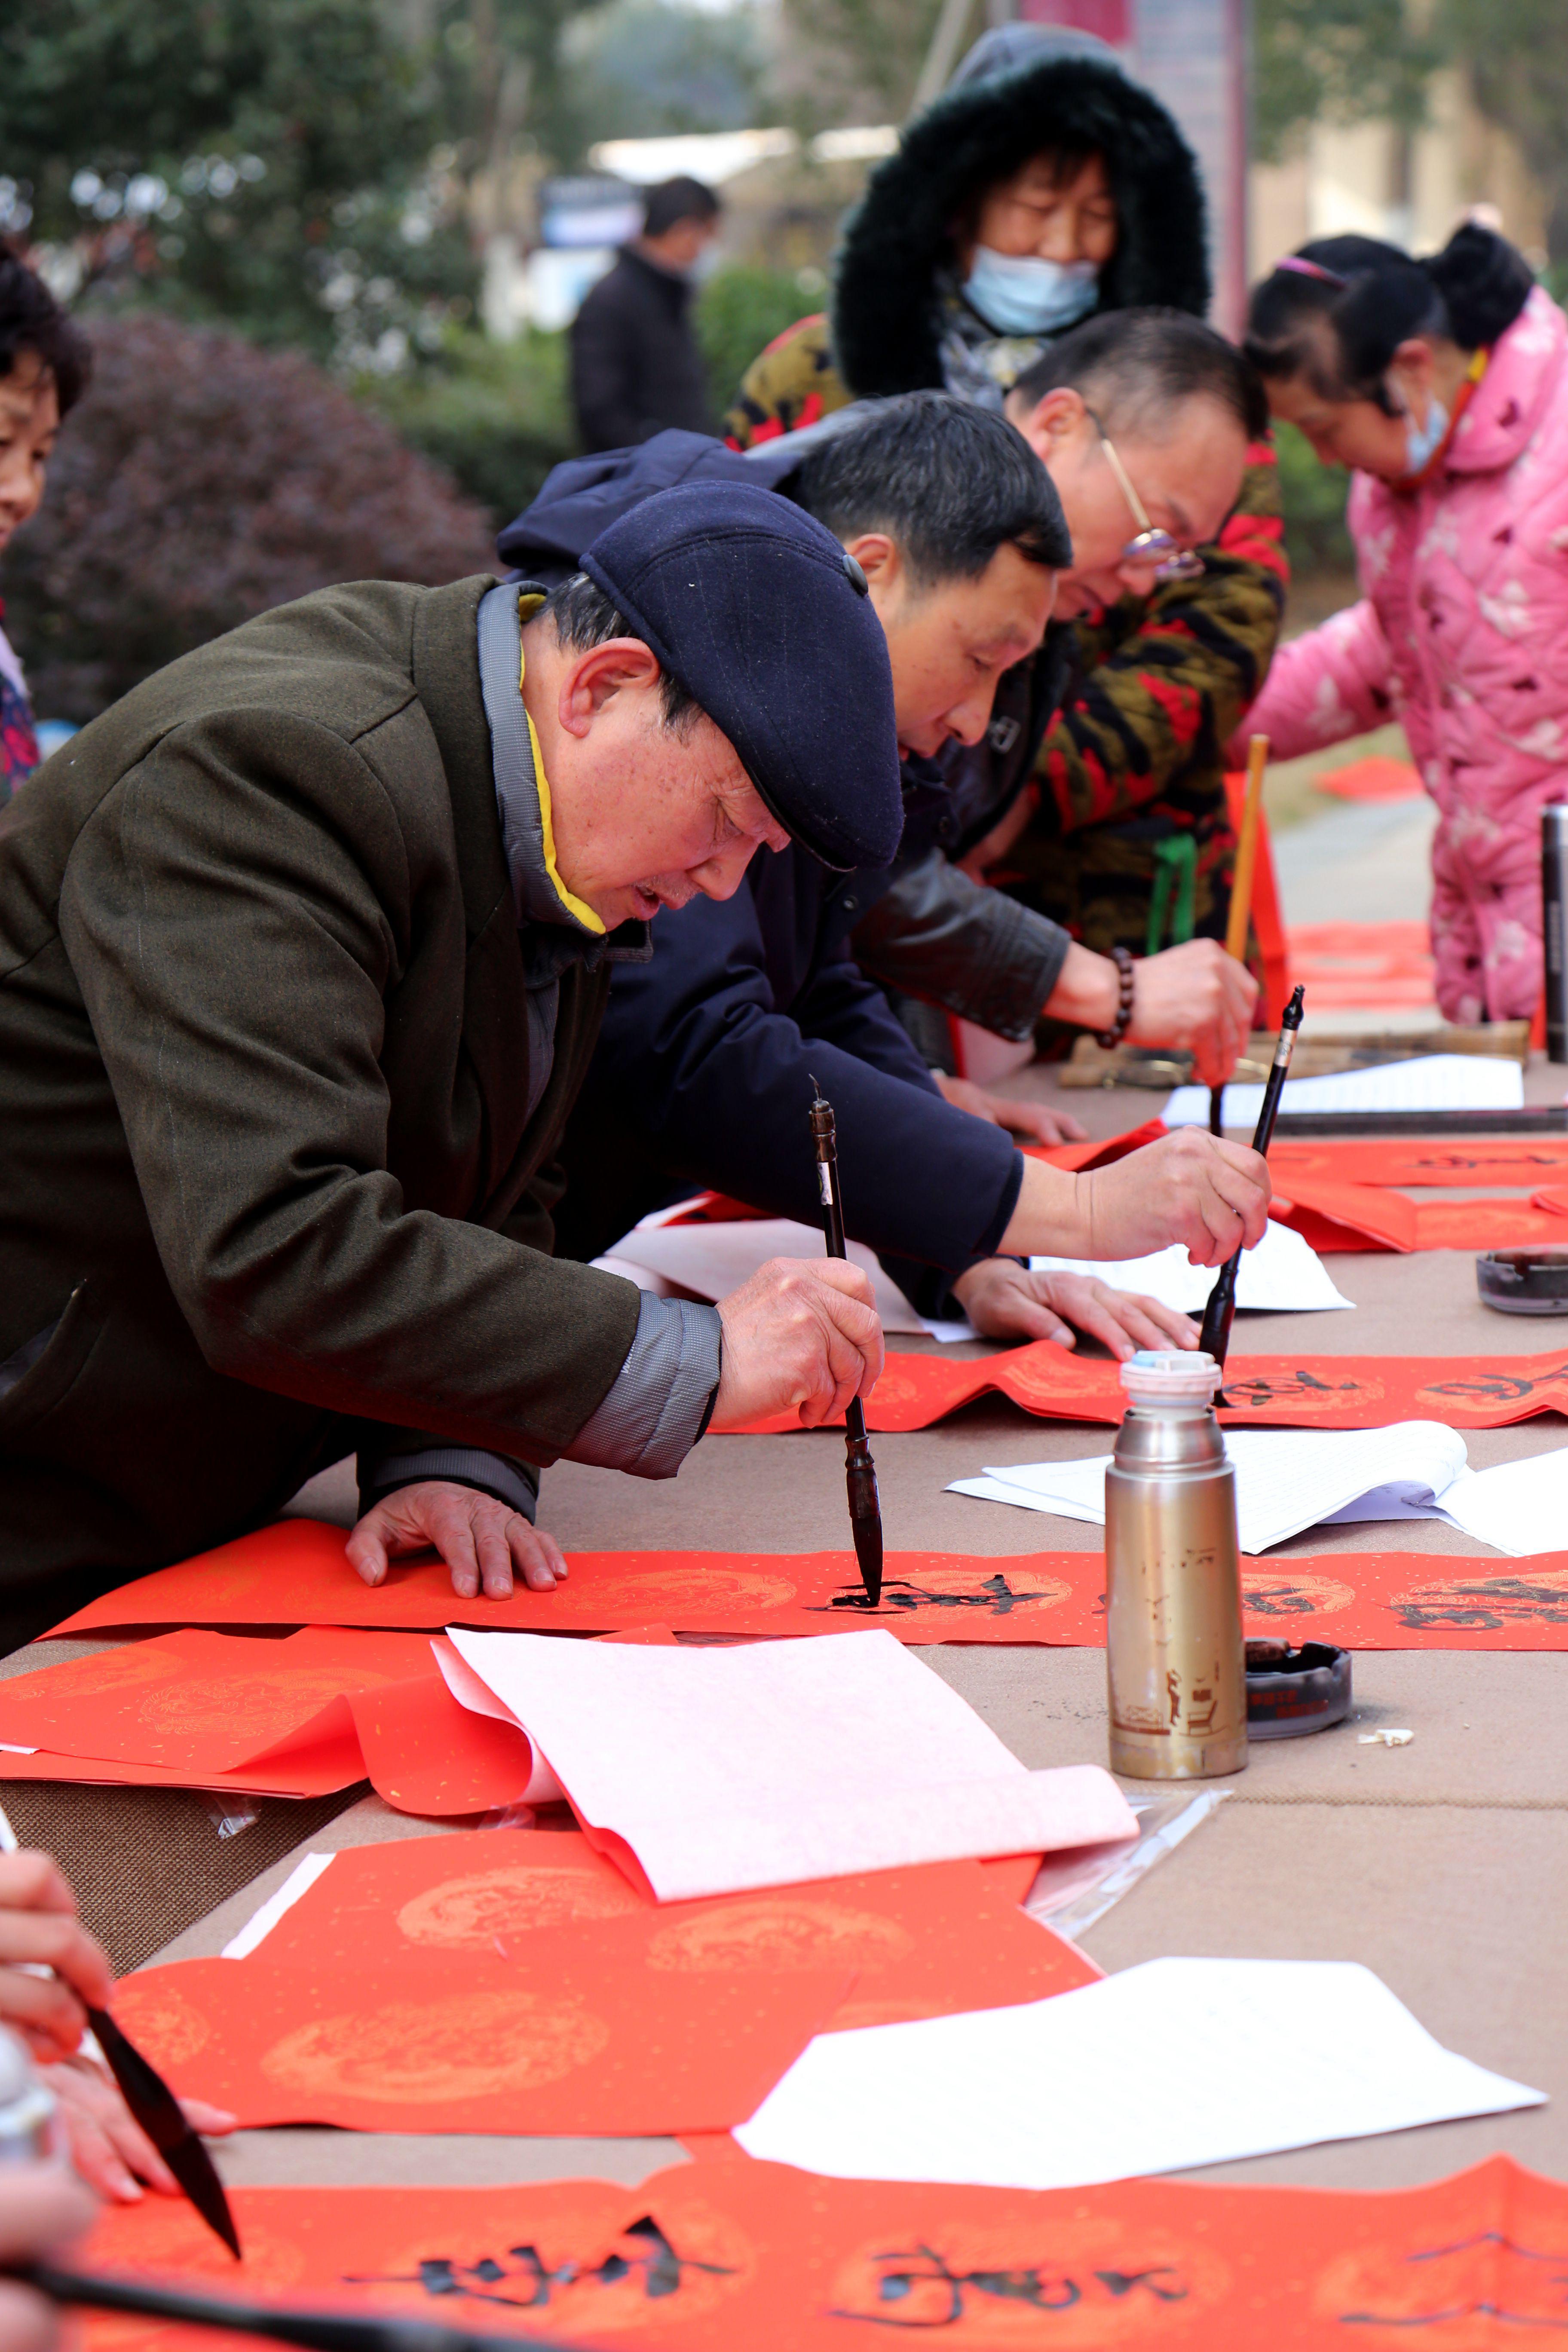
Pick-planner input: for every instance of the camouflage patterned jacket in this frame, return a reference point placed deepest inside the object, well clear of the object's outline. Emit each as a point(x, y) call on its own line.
point(1129, 840)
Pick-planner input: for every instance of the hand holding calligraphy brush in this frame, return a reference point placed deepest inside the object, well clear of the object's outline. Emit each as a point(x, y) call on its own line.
point(860, 1471)
point(1220, 1312)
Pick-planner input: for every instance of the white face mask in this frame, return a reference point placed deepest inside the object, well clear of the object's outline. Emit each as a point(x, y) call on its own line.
point(1019, 294)
point(1421, 440)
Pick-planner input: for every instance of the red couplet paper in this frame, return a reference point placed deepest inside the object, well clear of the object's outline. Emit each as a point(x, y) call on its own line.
point(576, 2029)
point(297, 1573)
point(713, 2256)
point(924, 1942)
point(294, 1719)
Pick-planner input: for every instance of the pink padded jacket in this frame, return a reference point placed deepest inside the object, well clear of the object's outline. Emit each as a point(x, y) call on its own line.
point(1462, 633)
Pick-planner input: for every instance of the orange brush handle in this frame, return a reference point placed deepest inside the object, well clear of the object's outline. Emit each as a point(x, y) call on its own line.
point(1247, 851)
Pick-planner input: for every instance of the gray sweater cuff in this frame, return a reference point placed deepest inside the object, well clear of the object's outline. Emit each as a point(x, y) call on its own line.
point(658, 1406)
point(467, 1465)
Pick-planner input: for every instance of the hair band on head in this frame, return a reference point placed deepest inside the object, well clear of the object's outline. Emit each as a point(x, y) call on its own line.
point(1303, 267)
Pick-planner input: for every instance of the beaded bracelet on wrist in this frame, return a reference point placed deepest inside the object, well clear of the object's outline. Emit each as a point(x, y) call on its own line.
point(1126, 980)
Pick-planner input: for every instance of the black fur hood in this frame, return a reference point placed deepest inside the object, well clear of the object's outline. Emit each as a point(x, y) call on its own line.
point(885, 328)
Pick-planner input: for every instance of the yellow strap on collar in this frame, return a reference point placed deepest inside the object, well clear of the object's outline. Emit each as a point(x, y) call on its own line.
point(573, 906)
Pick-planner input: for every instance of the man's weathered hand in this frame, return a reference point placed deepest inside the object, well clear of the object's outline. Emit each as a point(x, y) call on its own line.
point(1210, 1196)
point(39, 1925)
point(1005, 1301)
point(1033, 1121)
point(801, 1337)
point(482, 1541)
point(1196, 999)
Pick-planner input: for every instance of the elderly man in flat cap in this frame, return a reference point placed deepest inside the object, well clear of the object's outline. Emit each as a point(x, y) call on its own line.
point(303, 949)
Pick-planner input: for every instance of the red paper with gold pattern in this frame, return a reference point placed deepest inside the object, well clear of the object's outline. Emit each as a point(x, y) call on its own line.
point(921, 1942)
point(587, 2032)
point(731, 2256)
point(295, 1718)
point(297, 1573)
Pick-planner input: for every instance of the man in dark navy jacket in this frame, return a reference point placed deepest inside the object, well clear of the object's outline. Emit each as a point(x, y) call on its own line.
point(704, 1065)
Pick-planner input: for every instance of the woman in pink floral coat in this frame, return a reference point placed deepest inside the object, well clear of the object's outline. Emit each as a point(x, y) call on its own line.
point(1444, 383)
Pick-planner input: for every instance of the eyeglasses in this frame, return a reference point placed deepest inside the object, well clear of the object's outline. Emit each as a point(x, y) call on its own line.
point(1171, 560)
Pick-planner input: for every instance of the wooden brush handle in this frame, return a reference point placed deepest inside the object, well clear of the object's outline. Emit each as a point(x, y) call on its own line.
point(1247, 851)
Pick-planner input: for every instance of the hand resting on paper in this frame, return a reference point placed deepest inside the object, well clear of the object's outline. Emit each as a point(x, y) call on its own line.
point(1032, 1121)
point(1190, 1187)
point(39, 1929)
point(43, 2211)
point(1005, 1301)
point(801, 1337)
point(481, 1539)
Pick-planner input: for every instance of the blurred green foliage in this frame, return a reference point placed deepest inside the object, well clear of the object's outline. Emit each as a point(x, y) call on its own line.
point(741, 308)
point(498, 416)
point(641, 68)
point(495, 415)
point(261, 161)
point(1313, 496)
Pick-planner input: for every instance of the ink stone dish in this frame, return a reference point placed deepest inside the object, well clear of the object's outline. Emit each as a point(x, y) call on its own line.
point(1291, 1691)
point(1523, 1282)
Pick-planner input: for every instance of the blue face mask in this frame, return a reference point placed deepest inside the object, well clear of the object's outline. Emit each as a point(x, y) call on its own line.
point(1421, 440)
point(1019, 294)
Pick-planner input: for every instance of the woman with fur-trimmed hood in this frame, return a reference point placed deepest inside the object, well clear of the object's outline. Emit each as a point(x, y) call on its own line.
point(1043, 186)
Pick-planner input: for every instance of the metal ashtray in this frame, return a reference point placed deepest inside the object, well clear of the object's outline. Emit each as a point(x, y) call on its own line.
point(1523, 1282)
point(1291, 1692)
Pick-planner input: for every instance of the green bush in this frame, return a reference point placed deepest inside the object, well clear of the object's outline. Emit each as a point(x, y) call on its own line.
point(495, 415)
point(741, 308)
point(1313, 496)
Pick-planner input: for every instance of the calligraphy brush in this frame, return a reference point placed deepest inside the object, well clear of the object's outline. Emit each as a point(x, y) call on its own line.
point(163, 2119)
point(318, 2331)
point(859, 1470)
point(1220, 1312)
point(1241, 886)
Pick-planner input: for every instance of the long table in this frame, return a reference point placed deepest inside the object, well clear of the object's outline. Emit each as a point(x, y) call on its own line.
point(1442, 1864)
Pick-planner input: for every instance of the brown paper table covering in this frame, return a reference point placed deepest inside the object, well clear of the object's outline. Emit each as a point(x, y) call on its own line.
point(1441, 1864)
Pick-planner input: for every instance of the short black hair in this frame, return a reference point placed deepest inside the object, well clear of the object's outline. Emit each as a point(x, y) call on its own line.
point(1133, 367)
point(585, 617)
point(32, 320)
point(948, 481)
point(1339, 309)
point(679, 199)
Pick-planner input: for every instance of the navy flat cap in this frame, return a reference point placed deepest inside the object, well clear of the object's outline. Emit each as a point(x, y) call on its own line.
point(766, 622)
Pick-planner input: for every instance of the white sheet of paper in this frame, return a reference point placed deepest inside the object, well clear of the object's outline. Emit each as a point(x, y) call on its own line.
point(710, 1261)
point(1286, 1479)
point(1283, 1273)
point(773, 1762)
point(1517, 1506)
point(1432, 1082)
point(1172, 2063)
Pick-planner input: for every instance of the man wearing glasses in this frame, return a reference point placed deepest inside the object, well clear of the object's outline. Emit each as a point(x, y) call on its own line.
point(1143, 419)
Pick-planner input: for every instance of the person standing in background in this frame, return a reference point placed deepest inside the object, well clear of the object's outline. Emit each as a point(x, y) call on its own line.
point(1443, 382)
point(636, 365)
point(1046, 188)
point(43, 367)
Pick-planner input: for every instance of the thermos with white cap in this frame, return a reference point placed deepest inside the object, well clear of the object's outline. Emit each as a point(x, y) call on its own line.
point(1174, 1649)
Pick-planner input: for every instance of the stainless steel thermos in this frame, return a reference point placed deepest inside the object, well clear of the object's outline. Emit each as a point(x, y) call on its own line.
point(1554, 915)
point(1175, 1653)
